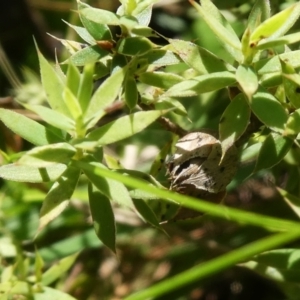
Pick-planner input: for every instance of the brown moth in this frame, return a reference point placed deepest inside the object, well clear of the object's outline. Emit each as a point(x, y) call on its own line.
point(196, 168)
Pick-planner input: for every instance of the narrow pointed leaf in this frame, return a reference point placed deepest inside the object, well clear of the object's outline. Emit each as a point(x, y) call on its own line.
point(273, 150)
point(247, 79)
point(277, 25)
point(28, 129)
point(259, 13)
point(86, 86)
point(104, 96)
point(21, 173)
point(133, 46)
point(234, 121)
point(201, 84)
point(97, 15)
point(88, 55)
point(270, 65)
point(123, 127)
point(146, 212)
point(131, 92)
point(284, 40)
point(161, 57)
point(52, 117)
point(97, 30)
point(292, 201)
point(268, 110)
point(72, 104)
point(59, 195)
point(199, 58)
point(291, 87)
point(228, 37)
point(114, 190)
point(83, 33)
point(53, 86)
point(73, 78)
point(48, 154)
point(293, 123)
point(103, 219)
point(160, 79)
point(59, 269)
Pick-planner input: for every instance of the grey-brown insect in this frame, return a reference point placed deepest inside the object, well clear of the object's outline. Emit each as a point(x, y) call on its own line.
point(196, 168)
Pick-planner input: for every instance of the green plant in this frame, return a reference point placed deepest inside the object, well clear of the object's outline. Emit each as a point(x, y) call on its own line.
point(262, 119)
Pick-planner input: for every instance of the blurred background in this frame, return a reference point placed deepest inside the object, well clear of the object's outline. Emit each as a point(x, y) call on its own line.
point(145, 255)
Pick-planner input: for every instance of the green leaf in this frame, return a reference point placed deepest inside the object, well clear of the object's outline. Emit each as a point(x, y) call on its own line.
point(291, 87)
point(28, 129)
point(52, 117)
point(114, 190)
point(131, 92)
point(161, 57)
point(160, 79)
point(284, 40)
point(85, 86)
point(268, 110)
point(219, 26)
point(234, 121)
point(47, 155)
point(293, 123)
point(260, 12)
point(199, 58)
point(104, 96)
point(171, 104)
point(53, 86)
point(292, 201)
point(142, 6)
point(51, 293)
point(83, 33)
point(277, 25)
point(103, 219)
point(201, 84)
point(72, 104)
point(146, 213)
point(134, 46)
point(280, 264)
point(270, 65)
point(131, 124)
point(59, 269)
point(21, 173)
point(73, 78)
point(97, 30)
point(88, 55)
point(273, 150)
point(247, 79)
point(144, 16)
point(97, 15)
point(58, 196)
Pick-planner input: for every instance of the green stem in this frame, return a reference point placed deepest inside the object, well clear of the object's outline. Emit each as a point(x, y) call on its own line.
point(213, 266)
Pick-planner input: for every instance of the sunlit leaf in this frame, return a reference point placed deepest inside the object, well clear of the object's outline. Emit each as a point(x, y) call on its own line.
point(114, 190)
point(83, 33)
point(247, 79)
point(59, 195)
point(292, 201)
point(268, 110)
point(234, 121)
point(123, 127)
point(277, 25)
point(259, 13)
point(47, 155)
point(293, 123)
point(199, 58)
point(104, 96)
point(58, 269)
point(28, 129)
point(96, 15)
point(21, 173)
point(52, 117)
point(160, 79)
point(201, 84)
point(103, 218)
point(131, 92)
point(53, 85)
